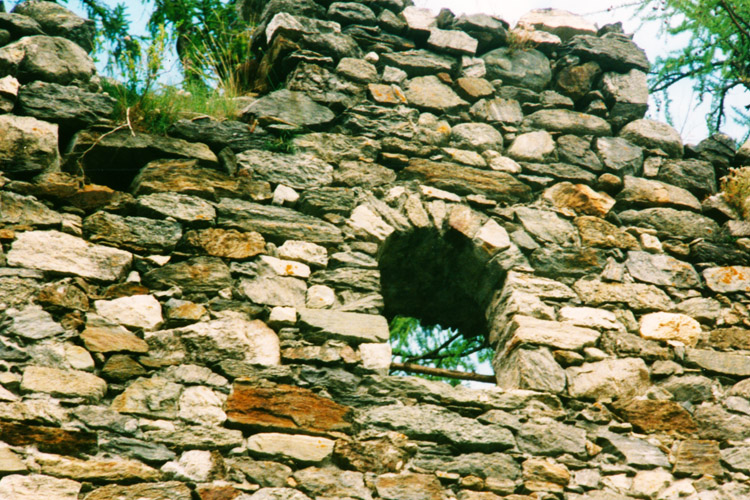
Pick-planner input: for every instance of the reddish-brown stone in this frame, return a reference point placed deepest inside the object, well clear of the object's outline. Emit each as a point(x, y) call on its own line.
point(698, 457)
point(657, 416)
point(218, 492)
point(48, 439)
point(284, 407)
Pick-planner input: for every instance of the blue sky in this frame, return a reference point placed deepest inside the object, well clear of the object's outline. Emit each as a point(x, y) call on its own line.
point(688, 115)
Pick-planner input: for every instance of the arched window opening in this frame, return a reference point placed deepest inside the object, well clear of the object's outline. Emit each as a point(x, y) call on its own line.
point(436, 288)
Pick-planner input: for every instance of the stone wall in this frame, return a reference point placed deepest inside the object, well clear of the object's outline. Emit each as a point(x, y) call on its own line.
point(200, 316)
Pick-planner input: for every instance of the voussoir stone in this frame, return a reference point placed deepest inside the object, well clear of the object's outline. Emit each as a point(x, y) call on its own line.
point(285, 408)
point(230, 337)
point(65, 254)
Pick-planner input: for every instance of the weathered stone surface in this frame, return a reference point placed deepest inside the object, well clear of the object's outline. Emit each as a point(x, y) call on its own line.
point(320, 325)
point(619, 155)
point(700, 457)
point(226, 243)
point(533, 146)
point(452, 42)
point(408, 487)
point(232, 336)
point(579, 199)
point(716, 423)
point(637, 452)
point(56, 20)
point(727, 279)
point(68, 106)
point(660, 269)
point(698, 177)
point(262, 472)
point(720, 362)
point(737, 458)
point(567, 122)
point(36, 486)
point(640, 192)
point(26, 210)
point(279, 494)
point(366, 175)
point(320, 482)
point(498, 110)
point(528, 330)
point(137, 311)
point(288, 107)
point(551, 438)
point(657, 416)
point(534, 370)
point(296, 171)
point(187, 177)
point(524, 68)
point(181, 207)
point(47, 58)
point(29, 146)
point(98, 470)
point(285, 408)
point(108, 339)
point(32, 322)
point(610, 378)
point(378, 455)
point(667, 327)
point(154, 397)
point(672, 223)
point(498, 186)
point(295, 446)
point(654, 135)
point(626, 94)
point(222, 134)
point(138, 234)
point(612, 51)
point(275, 291)
point(63, 383)
point(433, 422)
point(547, 226)
point(419, 62)
point(430, 94)
point(197, 437)
point(172, 490)
point(198, 274)
point(478, 136)
point(597, 232)
point(276, 223)
point(562, 23)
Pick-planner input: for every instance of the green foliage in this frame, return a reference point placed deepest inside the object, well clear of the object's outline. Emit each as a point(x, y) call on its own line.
point(284, 143)
point(736, 188)
point(437, 347)
point(717, 56)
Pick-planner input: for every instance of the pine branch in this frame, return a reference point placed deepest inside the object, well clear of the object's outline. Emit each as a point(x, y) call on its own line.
point(442, 372)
